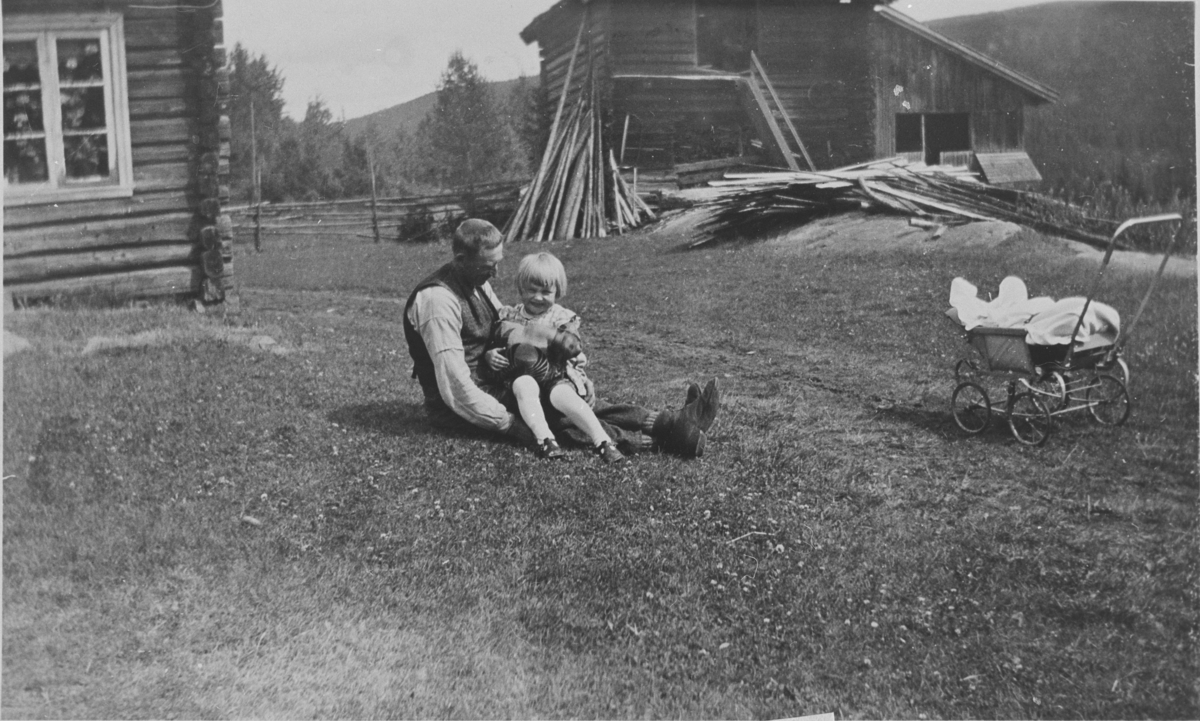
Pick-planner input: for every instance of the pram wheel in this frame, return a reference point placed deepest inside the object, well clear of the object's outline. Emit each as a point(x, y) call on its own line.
point(1118, 370)
point(1051, 390)
point(971, 408)
point(1107, 400)
point(1028, 419)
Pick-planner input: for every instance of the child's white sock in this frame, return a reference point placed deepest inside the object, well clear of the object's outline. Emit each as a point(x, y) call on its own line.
point(529, 403)
point(564, 398)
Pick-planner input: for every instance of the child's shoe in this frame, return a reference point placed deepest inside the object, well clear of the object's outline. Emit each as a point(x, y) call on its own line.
point(549, 448)
point(609, 453)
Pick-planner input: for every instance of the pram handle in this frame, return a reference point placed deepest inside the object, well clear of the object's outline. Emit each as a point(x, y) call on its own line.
point(1112, 244)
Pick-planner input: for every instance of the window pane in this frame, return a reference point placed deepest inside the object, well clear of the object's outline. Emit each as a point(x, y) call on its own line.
point(82, 109)
point(79, 60)
point(86, 156)
point(25, 161)
point(21, 64)
point(23, 112)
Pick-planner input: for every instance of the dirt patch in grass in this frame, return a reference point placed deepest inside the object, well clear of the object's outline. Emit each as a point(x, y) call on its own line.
point(247, 337)
point(14, 343)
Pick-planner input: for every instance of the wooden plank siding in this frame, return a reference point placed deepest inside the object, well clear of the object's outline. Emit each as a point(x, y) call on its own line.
point(678, 112)
point(557, 44)
point(678, 120)
point(657, 36)
point(150, 243)
point(139, 283)
point(817, 58)
point(108, 260)
point(123, 232)
point(909, 69)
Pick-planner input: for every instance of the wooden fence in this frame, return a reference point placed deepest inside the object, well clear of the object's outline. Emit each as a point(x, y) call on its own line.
point(398, 219)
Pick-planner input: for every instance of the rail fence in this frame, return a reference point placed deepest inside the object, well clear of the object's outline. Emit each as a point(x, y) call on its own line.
point(402, 219)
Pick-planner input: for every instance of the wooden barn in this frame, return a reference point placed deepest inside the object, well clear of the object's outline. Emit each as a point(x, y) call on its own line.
point(116, 150)
point(696, 80)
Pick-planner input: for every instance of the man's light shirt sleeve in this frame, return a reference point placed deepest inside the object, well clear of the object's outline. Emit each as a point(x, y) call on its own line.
point(437, 316)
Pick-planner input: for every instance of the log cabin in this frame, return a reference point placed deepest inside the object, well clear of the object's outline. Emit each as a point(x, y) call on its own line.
point(690, 81)
point(116, 151)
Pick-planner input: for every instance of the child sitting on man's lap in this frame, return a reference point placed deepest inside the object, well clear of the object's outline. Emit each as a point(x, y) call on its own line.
point(539, 348)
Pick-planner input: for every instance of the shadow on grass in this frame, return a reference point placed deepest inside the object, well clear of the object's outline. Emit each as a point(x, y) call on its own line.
point(399, 418)
point(941, 423)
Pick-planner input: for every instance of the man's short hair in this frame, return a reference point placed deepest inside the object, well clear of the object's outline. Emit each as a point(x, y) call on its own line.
point(474, 236)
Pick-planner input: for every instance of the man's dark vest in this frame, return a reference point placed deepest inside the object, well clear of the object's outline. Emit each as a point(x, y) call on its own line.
point(478, 317)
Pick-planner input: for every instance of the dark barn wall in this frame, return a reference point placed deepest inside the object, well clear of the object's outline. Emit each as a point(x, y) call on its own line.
point(817, 56)
point(171, 236)
point(671, 119)
point(932, 80)
point(556, 34)
point(815, 53)
point(658, 37)
point(678, 120)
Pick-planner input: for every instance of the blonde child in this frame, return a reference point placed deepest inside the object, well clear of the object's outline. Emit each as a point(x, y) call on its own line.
point(539, 348)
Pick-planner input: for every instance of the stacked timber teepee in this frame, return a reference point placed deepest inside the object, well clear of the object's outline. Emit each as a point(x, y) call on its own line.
point(578, 191)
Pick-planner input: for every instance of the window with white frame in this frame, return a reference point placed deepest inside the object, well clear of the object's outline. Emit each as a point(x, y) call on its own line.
point(66, 113)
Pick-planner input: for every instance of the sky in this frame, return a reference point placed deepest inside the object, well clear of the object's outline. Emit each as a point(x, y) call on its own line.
point(360, 56)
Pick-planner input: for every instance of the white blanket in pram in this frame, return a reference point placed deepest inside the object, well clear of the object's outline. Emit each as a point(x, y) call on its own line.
point(1045, 320)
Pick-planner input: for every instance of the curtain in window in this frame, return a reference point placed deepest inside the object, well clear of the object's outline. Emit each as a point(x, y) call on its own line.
point(24, 128)
point(81, 91)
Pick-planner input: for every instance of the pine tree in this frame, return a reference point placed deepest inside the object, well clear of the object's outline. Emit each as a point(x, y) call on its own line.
point(253, 82)
point(466, 137)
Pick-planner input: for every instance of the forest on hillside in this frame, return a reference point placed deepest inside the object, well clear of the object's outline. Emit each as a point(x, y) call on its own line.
point(467, 134)
point(1122, 136)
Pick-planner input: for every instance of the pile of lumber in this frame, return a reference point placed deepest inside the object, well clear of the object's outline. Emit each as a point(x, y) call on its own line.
point(760, 203)
point(578, 191)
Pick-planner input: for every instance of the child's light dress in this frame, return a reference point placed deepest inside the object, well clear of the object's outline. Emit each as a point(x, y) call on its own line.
point(555, 318)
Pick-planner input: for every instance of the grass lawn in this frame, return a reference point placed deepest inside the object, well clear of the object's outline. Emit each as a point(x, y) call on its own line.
point(204, 528)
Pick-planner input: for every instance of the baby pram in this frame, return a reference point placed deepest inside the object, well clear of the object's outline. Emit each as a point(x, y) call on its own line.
point(1039, 382)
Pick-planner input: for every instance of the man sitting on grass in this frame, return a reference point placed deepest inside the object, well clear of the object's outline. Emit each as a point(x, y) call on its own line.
point(448, 321)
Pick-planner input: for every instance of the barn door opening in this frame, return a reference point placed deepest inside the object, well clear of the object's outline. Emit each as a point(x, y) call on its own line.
point(928, 135)
point(946, 132)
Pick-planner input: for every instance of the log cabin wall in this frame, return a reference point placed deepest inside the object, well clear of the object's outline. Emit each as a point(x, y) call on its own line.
point(653, 37)
point(678, 112)
point(169, 236)
point(678, 120)
point(556, 32)
point(916, 76)
point(817, 55)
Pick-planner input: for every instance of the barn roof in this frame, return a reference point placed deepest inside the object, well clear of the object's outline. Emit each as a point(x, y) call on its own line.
point(533, 29)
point(1042, 92)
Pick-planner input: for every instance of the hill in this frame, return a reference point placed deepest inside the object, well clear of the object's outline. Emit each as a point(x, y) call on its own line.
point(1124, 70)
point(407, 116)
